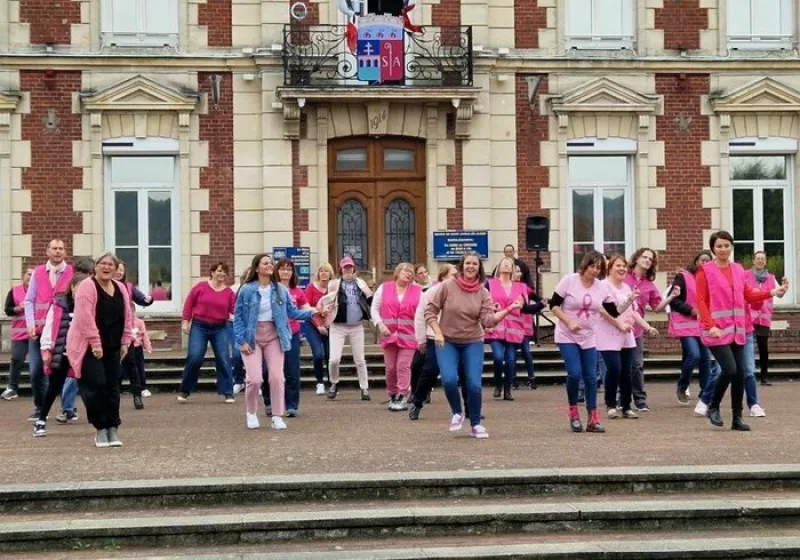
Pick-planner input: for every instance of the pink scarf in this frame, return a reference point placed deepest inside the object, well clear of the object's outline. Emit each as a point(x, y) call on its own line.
point(468, 286)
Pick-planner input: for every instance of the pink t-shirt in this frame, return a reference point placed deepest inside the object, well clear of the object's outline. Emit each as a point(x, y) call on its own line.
point(299, 300)
point(649, 296)
point(609, 337)
point(206, 304)
point(582, 304)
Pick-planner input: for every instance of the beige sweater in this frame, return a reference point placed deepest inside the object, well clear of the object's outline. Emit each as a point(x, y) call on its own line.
point(461, 314)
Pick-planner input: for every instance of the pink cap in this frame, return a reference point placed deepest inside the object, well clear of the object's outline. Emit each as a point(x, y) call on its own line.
point(347, 261)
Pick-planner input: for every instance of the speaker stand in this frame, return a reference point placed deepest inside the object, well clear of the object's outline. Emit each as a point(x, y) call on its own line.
point(538, 262)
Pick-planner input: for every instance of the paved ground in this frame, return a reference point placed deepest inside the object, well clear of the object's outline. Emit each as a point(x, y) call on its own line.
point(206, 437)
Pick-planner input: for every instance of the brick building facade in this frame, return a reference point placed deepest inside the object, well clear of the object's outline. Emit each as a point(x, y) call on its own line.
point(187, 132)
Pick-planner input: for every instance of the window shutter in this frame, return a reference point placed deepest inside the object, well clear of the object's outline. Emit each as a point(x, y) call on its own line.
point(579, 19)
point(766, 16)
point(123, 16)
point(608, 18)
point(160, 17)
point(739, 18)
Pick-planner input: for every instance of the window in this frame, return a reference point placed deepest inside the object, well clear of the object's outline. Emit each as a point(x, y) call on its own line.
point(400, 233)
point(760, 24)
point(135, 23)
point(600, 205)
point(351, 159)
point(352, 218)
point(761, 205)
point(600, 24)
point(142, 218)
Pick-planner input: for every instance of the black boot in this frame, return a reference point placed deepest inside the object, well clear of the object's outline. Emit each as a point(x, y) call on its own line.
point(137, 402)
point(739, 426)
point(507, 396)
point(498, 392)
point(714, 416)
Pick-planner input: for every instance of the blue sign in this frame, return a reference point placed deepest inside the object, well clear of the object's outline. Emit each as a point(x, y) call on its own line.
point(301, 257)
point(452, 245)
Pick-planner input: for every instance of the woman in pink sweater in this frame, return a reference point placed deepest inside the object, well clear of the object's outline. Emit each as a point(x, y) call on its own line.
point(206, 312)
point(98, 339)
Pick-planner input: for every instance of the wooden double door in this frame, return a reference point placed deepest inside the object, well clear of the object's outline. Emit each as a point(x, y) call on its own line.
point(377, 203)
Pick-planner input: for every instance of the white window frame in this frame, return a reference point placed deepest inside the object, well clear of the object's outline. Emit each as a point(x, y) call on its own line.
point(615, 147)
point(783, 40)
point(597, 40)
point(126, 147)
point(140, 38)
point(784, 147)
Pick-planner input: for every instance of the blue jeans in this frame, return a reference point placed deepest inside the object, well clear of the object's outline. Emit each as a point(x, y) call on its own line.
point(200, 335)
point(291, 373)
point(68, 395)
point(602, 370)
point(237, 365)
point(695, 354)
point(320, 350)
point(527, 357)
point(504, 355)
point(581, 364)
point(38, 378)
point(707, 390)
point(449, 357)
point(619, 374)
point(750, 390)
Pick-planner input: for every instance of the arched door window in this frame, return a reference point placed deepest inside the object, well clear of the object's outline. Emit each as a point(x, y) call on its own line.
point(352, 229)
point(400, 233)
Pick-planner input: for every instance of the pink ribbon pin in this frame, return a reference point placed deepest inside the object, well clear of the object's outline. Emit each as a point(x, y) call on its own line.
point(586, 310)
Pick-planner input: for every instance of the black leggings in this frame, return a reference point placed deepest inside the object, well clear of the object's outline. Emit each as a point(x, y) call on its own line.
point(133, 369)
point(99, 386)
point(731, 360)
point(55, 385)
point(763, 355)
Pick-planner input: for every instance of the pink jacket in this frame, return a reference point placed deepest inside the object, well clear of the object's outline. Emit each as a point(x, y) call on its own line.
point(83, 333)
point(140, 336)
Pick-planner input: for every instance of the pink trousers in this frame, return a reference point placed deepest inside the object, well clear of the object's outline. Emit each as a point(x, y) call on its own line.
point(398, 369)
point(268, 348)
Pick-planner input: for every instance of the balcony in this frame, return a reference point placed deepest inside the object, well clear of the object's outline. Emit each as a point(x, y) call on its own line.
point(328, 56)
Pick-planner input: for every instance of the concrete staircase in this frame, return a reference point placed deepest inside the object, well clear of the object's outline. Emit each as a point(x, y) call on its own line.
point(736, 512)
point(164, 369)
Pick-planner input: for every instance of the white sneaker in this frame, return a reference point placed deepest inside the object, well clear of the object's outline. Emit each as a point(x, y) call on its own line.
point(456, 423)
point(688, 393)
point(321, 389)
point(237, 388)
point(252, 421)
point(278, 423)
point(757, 412)
point(614, 413)
point(479, 432)
point(147, 393)
point(701, 409)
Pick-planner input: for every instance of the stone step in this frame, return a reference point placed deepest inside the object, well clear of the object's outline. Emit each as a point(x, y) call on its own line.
point(26, 499)
point(651, 516)
point(762, 545)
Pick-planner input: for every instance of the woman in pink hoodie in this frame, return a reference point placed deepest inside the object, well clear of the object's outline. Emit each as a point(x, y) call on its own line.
point(98, 339)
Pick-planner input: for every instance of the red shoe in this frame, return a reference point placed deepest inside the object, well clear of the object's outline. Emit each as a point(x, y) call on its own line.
point(594, 424)
point(575, 419)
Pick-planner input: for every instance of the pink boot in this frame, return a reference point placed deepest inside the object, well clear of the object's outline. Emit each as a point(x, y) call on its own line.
point(594, 424)
point(575, 419)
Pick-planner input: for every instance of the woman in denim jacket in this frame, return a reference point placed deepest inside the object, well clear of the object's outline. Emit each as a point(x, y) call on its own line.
point(261, 330)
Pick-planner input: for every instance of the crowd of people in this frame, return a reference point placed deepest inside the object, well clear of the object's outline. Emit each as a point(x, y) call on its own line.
point(76, 325)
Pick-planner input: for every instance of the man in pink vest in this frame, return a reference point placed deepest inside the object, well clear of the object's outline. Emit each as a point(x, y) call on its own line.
point(19, 334)
point(48, 279)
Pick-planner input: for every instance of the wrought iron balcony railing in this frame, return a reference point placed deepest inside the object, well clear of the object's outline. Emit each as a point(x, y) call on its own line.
point(338, 55)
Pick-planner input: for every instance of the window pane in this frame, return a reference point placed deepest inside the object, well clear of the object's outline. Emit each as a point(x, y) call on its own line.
point(579, 250)
point(776, 255)
point(743, 254)
point(161, 270)
point(754, 168)
point(608, 18)
point(400, 233)
point(126, 219)
point(398, 159)
point(773, 214)
point(160, 16)
point(583, 216)
point(159, 218)
point(355, 158)
point(743, 214)
point(613, 215)
point(130, 257)
point(611, 248)
point(579, 19)
point(352, 222)
point(124, 16)
point(739, 18)
point(767, 18)
point(593, 170)
point(143, 170)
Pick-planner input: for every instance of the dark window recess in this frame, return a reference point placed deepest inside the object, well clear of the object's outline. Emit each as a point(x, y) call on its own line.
point(388, 7)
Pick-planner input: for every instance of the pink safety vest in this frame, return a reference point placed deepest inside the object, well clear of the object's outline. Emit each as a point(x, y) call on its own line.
point(681, 326)
point(527, 320)
point(18, 329)
point(727, 305)
point(512, 328)
point(45, 294)
point(763, 315)
point(398, 316)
